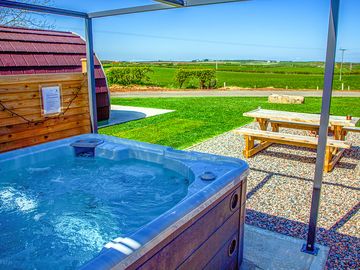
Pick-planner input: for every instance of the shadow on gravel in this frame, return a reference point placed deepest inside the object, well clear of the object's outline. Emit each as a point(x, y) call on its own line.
point(270, 174)
point(289, 156)
point(353, 153)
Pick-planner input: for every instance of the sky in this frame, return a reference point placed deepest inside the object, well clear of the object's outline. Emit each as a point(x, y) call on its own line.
point(283, 30)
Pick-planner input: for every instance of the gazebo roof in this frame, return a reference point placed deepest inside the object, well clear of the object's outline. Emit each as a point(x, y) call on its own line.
point(309, 247)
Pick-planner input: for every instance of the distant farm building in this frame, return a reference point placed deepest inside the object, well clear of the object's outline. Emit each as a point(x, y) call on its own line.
point(29, 51)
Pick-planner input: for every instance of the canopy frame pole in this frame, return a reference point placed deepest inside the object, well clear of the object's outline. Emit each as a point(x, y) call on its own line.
point(163, 5)
point(310, 247)
point(42, 9)
point(91, 74)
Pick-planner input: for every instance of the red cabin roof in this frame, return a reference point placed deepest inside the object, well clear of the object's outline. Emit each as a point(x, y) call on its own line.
point(28, 51)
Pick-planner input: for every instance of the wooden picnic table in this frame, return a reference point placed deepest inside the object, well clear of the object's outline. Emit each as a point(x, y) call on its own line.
point(339, 125)
point(307, 121)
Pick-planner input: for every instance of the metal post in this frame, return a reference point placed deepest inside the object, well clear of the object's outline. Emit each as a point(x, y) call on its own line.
point(342, 62)
point(40, 8)
point(91, 74)
point(309, 247)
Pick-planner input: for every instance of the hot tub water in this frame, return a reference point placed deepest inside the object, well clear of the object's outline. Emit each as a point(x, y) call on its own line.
point(60, 213)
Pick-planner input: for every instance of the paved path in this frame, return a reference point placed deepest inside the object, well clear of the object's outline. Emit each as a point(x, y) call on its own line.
point(122, 114)
point(230, 93)
point(264, 249)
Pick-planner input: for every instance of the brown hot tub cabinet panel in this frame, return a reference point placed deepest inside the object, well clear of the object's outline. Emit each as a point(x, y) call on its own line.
point(242, 220)
point(224, 259)
point(211, 240)
point(217, 242)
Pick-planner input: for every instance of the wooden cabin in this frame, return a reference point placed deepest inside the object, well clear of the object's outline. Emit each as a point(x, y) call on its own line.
point(43, 87)
point(29, 51)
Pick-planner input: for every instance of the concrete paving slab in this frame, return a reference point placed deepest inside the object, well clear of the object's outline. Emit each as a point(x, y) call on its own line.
point(264, 249)
point(122, 114)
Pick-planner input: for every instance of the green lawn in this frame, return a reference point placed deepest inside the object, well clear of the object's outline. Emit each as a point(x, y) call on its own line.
point(197, 119)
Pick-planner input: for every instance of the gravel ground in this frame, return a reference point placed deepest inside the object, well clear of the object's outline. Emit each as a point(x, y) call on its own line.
point(280, 187)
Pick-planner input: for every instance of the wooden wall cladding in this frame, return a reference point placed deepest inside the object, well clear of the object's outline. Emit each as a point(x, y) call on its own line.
point(21, 121)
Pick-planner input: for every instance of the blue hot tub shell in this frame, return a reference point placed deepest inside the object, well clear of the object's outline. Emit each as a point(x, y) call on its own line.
point(204, 230)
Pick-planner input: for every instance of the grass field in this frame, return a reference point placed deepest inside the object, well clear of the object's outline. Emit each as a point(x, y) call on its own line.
point(197, 119)
point(254, 74)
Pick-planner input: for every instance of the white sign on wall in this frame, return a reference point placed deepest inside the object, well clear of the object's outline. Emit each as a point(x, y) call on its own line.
point(51, 99)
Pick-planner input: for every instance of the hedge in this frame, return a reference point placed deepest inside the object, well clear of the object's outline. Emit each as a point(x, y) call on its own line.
point(127, 75)
point(206, 77)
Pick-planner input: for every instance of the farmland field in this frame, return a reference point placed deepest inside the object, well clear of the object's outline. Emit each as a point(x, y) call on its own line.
point(251, 74)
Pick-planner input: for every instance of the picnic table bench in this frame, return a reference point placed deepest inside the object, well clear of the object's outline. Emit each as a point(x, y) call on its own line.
point(339, 125)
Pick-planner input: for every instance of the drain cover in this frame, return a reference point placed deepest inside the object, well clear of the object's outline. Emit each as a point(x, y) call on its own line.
point(208, 176)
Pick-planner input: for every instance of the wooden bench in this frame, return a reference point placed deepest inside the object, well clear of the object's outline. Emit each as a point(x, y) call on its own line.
point(275, 125)
point(352, 129)
point(345, 130)
point(297, 125)
point(267, 138)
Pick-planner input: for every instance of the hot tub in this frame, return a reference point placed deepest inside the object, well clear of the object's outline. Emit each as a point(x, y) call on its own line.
point(99, 202)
